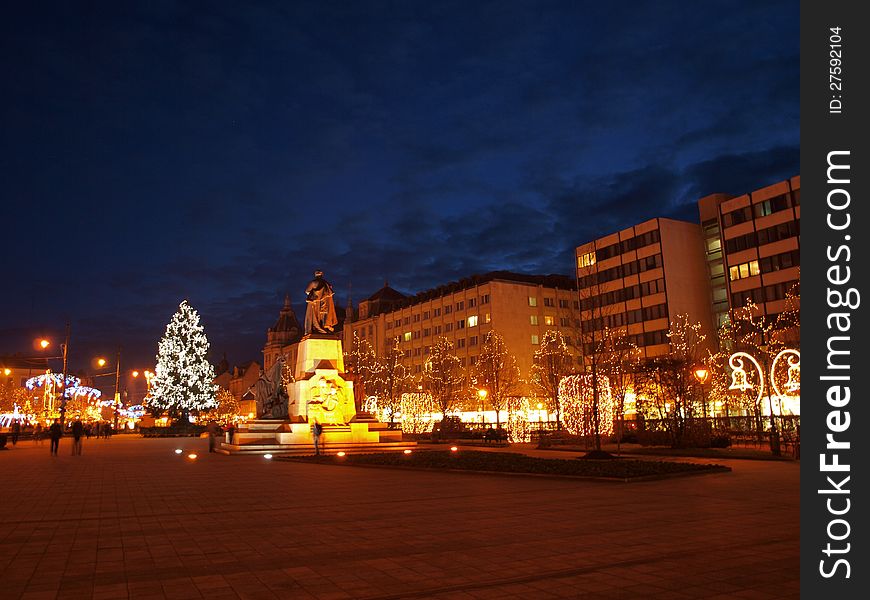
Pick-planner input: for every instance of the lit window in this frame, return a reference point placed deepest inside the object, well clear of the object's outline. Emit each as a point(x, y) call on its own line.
point(472, 321)
point(586, 260)
point(533, 301)
point(407, 336)
point(549, 321)
point(533, 319)
point(535, 339)
point(753, 268)
point(486, 318)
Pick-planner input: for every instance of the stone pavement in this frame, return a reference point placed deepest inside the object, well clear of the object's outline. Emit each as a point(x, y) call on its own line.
point(131, 519)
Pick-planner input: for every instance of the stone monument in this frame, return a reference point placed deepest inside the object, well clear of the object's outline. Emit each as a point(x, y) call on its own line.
point(317, 392)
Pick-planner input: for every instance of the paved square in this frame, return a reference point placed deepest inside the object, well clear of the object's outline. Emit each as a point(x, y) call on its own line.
point(131, 519)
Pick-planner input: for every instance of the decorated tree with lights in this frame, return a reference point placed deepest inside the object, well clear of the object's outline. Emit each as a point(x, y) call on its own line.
point(552, 362)
point(182, 381)
point(363, 364)
point(12, 396)
point(619, 362)
point(391, 379)
point(443, 376)
point(497, 373)
point(227, 410)
point(675, 378)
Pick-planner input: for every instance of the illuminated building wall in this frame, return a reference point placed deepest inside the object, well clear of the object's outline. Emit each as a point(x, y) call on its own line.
point(759, 246)
point(640, 278)
point(519, 307)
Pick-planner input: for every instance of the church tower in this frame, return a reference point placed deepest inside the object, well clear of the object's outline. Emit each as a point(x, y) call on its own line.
point(285, 332)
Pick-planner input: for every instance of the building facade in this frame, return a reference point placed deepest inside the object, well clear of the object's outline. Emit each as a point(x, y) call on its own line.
point(520, 307)
point(638, 280)
point(756, 257)
point(746, 249)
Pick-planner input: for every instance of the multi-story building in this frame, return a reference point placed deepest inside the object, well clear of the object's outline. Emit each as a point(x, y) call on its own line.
point(639, 279)
point(747, 248)
point(520, 307)
point(753, 247)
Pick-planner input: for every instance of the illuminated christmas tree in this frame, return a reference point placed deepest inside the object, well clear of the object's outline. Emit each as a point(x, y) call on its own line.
point(182, 381)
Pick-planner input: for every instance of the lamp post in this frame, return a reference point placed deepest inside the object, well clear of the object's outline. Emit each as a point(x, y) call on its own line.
point(117, 389)
point(540, 419)
point(44, 344)
point(482, 394)
point(702, 374)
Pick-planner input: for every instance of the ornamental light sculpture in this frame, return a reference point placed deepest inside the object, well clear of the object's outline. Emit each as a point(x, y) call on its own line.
point(740, 382)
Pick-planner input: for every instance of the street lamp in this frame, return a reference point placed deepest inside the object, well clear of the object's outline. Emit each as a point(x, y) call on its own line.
point(44, 343)
point(702, 374)
point(482, 393)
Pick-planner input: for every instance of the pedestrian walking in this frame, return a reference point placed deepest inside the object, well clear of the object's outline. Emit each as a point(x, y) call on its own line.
point(78, 430)
point(317, 432)
point(16, 431)
point(88, 431)
point(231, 432)
point(54, 433)
point(38, 432)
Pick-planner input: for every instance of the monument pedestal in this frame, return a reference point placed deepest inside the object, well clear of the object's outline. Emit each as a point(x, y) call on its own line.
point(319, 394)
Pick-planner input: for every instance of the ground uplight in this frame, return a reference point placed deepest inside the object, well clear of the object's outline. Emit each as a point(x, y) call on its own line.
point(267, 456)
point(340, 453)
point(191, 456)
point(407, 452)
point(178, 450)
point(453, 448)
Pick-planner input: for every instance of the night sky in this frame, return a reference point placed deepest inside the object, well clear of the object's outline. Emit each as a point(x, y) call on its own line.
point(220, 151)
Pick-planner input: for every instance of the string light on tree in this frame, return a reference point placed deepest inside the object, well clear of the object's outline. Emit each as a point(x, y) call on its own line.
point(576, 398)
point(182, 381)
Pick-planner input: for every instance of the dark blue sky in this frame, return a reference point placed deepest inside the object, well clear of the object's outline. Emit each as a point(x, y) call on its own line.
point(220, 151)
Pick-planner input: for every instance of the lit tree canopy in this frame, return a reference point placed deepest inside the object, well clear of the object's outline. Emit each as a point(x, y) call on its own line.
point(552, 362)
point(496, 372)
point(443, 375)
point(183, 376)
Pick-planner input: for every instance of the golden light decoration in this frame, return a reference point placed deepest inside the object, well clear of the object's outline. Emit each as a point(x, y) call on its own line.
point(577, 399)
point(792, 385)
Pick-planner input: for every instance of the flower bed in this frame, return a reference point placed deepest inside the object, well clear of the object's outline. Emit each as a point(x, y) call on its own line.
point(509, 462)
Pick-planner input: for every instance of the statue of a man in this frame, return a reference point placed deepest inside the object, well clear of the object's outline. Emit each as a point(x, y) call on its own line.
point(320, 313)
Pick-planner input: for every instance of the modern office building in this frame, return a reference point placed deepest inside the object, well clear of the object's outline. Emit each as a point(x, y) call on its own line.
point(639, 279)
point(520, 307)
point(752, 245)
point(746, 248)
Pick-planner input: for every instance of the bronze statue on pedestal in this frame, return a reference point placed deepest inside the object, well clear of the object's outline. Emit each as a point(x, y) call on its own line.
point(320, 313)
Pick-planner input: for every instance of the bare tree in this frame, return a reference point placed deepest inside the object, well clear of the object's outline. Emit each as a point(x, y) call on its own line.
point(496, 372)
point(552, 362)
point(443, 375)
point(620, 356)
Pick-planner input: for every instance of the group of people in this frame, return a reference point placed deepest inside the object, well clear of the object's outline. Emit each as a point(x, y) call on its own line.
point(54, 432)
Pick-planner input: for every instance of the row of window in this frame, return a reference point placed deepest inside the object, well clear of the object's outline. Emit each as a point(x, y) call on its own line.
point(618, 272)
point(768, 293)
point(744, 270)
point(471, 321)
point(639, 241)
point(768, 264)
point(648, 338)
point(763, 236)
point(761, 209)
point(621, 295)
point(551, 302)
point(436, 312)
point(630, 317)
